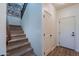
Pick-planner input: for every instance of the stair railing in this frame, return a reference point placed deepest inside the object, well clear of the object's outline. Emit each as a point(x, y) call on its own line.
point(23, 9)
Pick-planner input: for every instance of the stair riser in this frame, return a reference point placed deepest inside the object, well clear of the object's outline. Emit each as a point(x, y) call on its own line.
point(17, 42)
point(27, 45)
point(29, 53)
point(15, 28)
point(17, 37)
point(17, 34)
point(19, 31)
point(15, 51)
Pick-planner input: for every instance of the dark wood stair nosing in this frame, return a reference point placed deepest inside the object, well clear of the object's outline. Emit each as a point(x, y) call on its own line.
point(14, 25)
point(14, 40)
point(22, 52)
point(31, 50)
point(27, 51)
point(18, 46)
point(18, 35)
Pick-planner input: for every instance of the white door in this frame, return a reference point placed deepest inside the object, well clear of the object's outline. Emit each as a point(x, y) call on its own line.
point(67, 32)
point(48, 32)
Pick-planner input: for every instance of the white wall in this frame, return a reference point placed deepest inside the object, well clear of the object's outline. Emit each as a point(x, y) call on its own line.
point(14, 20)
point(31, 23)
point(2, 28)
point(71, 11)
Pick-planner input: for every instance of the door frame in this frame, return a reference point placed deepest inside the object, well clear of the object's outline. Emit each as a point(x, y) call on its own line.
point(74, 30)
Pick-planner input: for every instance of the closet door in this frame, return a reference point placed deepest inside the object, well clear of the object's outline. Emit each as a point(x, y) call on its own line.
point(48, 32)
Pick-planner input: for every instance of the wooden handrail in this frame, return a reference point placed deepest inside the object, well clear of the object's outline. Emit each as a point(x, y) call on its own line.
point(23, 9)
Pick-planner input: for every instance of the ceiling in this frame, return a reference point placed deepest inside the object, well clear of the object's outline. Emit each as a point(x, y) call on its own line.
point(62, 5)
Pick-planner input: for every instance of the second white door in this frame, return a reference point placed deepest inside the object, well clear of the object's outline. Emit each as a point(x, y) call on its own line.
point(67, 32)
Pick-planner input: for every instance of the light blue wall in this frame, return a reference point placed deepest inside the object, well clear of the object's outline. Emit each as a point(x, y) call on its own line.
point(31, 23)
point(14, 20)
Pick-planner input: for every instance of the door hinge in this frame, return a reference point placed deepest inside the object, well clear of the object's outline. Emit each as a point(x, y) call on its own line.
point(44, 53)
point(59, 22)
point(59, 43)
point(44, 34)
point(44, 16)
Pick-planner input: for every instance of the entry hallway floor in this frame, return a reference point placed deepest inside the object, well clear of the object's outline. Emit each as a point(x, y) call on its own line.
point(62, 51)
